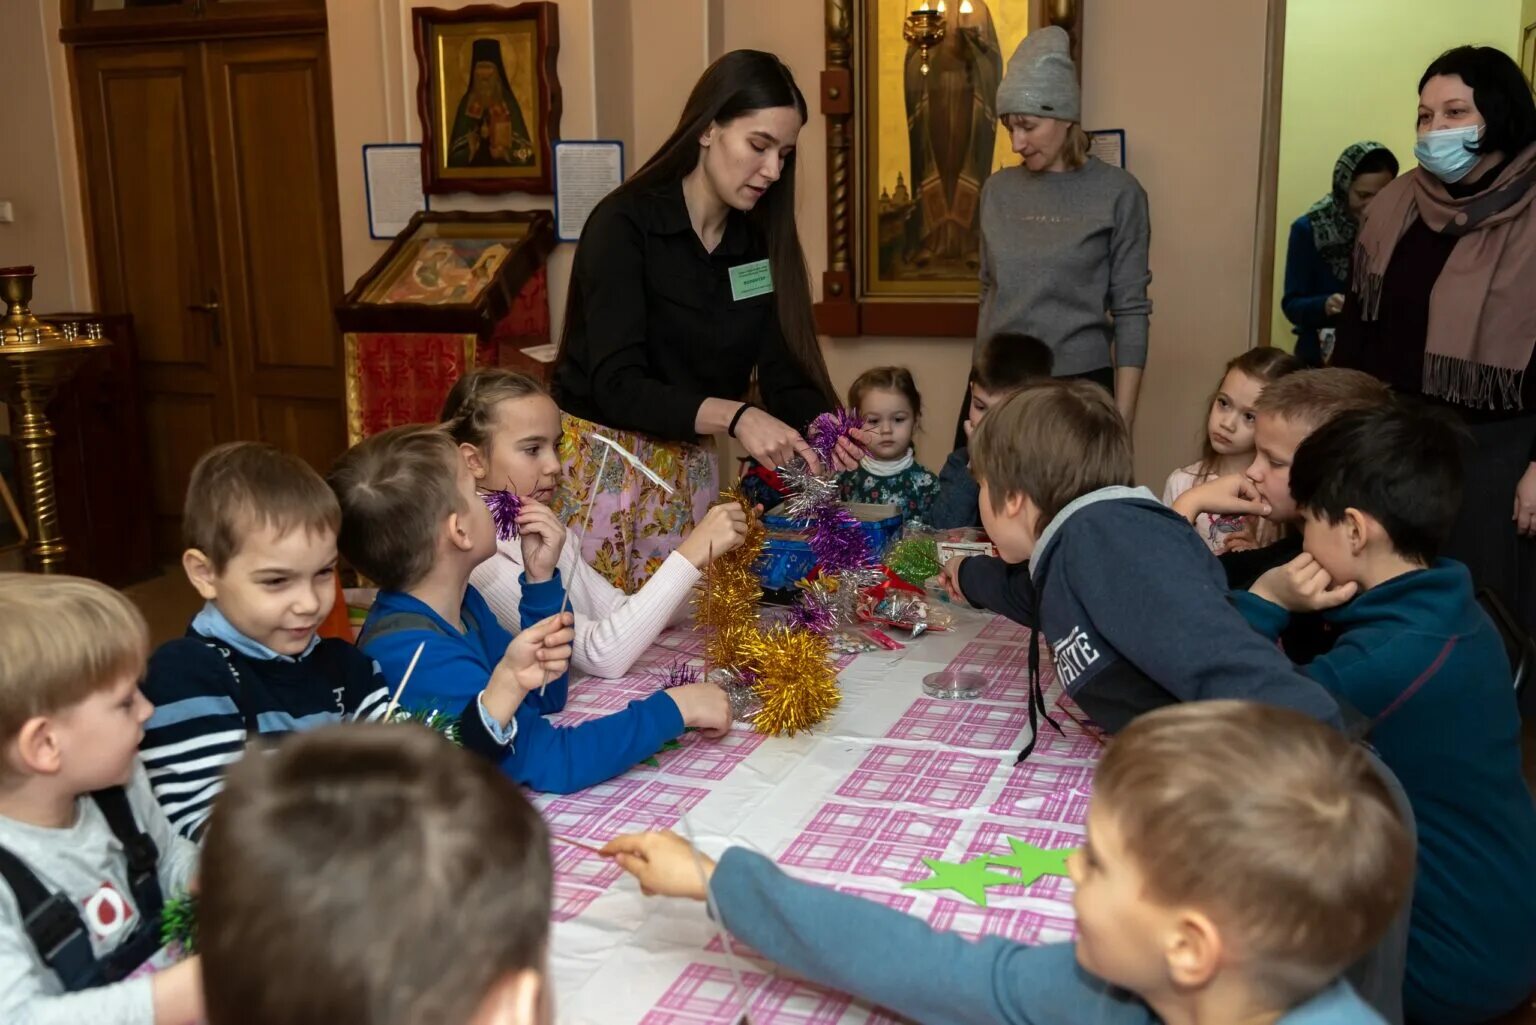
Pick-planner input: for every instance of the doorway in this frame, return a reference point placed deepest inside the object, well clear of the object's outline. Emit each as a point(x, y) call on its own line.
point(1340, 74)
point(208, 163)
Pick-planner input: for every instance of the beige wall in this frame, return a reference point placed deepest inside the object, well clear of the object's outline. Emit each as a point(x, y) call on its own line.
point(37, 174)
point(1192, 131)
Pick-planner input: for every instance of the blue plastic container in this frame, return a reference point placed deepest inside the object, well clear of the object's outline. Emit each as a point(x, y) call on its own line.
point(787, 556)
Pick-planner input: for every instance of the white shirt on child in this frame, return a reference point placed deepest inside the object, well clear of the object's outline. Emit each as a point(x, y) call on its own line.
point(1215, 531)
point(612, 628)
point(86, 862)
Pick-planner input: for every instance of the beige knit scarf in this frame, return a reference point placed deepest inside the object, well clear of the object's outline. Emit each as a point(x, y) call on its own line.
point(1482, 309)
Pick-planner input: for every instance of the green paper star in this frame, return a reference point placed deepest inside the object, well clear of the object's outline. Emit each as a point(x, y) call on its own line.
point(970, 879)
point(671, 745)
point(1031, 861)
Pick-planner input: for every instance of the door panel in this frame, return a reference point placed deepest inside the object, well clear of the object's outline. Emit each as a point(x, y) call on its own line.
point(180, 429)
point(272, 142)
point(147, 178)
point(300, 426)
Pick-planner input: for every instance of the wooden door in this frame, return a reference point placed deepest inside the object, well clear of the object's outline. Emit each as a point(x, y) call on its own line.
point(274, 162)
point(211, 184)
point(149, 194)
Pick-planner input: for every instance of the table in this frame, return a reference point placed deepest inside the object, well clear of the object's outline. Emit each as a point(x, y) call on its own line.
point(890, 778)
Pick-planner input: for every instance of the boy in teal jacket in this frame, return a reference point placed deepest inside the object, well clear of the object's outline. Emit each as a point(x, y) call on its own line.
point(1418, 656)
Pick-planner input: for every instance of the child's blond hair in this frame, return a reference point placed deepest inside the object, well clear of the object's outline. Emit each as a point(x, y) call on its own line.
point(62, 639)
point(242, 486)
point(1310, 398)
point(1273, 824)
point(396, 489)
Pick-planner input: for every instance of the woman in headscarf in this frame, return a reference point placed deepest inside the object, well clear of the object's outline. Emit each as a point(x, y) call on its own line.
point(1322, 242)
point(1441, 300)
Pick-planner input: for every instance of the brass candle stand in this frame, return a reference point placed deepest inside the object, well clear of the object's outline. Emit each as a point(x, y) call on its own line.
point(35, 358)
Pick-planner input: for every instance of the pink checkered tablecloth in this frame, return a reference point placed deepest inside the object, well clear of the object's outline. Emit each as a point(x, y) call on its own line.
point(893, 777)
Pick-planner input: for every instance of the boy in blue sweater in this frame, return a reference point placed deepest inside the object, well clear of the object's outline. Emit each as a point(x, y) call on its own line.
point(414, 523)
point(1237, 858)
point(260, 529)
point(1378, 491)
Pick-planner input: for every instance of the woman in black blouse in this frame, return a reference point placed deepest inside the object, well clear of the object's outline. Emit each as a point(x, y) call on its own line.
point(1441, 302)
point(689, 285)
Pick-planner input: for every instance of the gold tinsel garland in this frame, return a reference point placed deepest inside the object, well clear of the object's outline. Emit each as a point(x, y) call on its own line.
point(790, 669)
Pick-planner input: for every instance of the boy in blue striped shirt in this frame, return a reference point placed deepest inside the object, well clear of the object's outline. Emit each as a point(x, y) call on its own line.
point(260, 528)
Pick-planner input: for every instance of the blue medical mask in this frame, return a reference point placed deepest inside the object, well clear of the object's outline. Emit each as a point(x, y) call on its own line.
point(1444, 154)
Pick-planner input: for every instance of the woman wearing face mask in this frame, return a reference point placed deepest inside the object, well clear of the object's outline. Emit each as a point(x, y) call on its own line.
point(1322, 242)
point(689, 285)
point(1441, 300)
point(1064, 236)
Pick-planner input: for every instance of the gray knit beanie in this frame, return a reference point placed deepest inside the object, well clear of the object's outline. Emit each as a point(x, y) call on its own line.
point(1041, 78)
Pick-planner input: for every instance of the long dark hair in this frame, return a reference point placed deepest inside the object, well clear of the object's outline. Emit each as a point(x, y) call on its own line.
point(738, 83)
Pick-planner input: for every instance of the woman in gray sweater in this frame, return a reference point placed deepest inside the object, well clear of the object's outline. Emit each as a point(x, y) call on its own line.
point(1064, 235)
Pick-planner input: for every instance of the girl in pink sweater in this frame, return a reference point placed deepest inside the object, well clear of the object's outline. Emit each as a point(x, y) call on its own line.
point(508, 431)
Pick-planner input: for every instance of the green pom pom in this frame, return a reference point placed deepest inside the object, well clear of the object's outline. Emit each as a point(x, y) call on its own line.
point(432, 719)
point(178, 922)
point(914, 559)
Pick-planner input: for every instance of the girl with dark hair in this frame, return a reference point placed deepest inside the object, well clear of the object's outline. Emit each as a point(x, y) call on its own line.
point(1441, 306)
point(689, 287)
point(1322, 243)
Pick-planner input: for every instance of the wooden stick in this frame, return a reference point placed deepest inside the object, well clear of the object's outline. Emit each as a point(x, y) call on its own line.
point(714, 912)
point(389, 711)
point(577, 843)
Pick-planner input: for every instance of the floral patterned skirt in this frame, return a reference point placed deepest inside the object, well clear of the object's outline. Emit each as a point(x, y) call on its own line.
point(635, 524)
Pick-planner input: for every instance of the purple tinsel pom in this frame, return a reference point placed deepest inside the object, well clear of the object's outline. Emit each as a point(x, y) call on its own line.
point(814, 612)
point(680, 674)
point(504, 507)
point(827, 428)
point(837, 540)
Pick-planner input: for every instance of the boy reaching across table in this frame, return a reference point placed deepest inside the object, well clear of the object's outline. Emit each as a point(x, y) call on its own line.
point(1238, 858)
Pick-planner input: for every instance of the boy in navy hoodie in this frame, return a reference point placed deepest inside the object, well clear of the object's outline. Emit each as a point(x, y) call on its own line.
point(414, 523)
point(1133, 604)
point(1378, 491)
point(1237, 858)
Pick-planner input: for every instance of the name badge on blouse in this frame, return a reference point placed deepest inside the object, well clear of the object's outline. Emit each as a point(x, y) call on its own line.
point(749, 280)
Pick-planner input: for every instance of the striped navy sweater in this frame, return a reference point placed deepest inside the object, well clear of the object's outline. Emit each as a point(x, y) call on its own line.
point(211, 693)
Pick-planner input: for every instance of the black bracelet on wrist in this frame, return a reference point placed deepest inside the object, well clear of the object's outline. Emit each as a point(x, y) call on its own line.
point(731, 430)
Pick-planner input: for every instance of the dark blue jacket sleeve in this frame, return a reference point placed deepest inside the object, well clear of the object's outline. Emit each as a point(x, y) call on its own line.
point(539, 602)
point(957, 503)
point(1164, 607)
point(992, 584)
point(870, 950)
point(1263, 615)
point(1308, 281)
